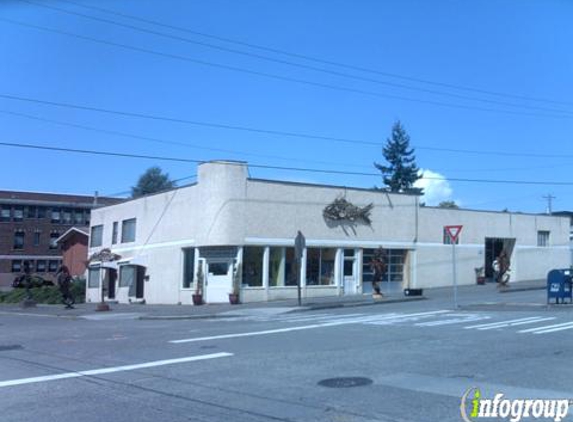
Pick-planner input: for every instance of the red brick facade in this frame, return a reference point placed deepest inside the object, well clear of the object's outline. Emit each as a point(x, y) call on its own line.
point(30, 224)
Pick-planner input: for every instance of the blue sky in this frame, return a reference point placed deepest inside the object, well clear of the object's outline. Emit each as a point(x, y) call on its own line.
point(512, 121)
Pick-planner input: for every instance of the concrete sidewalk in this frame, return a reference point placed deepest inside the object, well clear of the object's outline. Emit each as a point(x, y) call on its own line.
point(474, 294)
point(207, 311)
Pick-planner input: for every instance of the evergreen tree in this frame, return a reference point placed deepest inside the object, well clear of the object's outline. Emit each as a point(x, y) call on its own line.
point(401, 172)
point(153, 180)
point(448, 204)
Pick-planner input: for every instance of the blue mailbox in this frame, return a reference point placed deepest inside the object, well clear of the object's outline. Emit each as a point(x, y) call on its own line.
point(559, 285)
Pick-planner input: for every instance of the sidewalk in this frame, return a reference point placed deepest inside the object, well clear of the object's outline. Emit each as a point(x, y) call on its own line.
point(472, 295)
point(207, 311)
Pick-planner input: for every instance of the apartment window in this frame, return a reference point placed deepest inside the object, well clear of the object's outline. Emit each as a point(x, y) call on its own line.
point(37, 238)
point(41, 266)
point(16, 266)
point(53, 240)
point(67, 216)
point(41, 212)
point(18, 213)
point(96, 238)
point(5, 213)
point(114, 233)
point(253, 266)
point(19, 239)
point(56, 215)
point(79, 217)
point(93, 277)
point(128, 230)
point(543, 238)
point(188, 267)
point(53, 265)
point(30, 212)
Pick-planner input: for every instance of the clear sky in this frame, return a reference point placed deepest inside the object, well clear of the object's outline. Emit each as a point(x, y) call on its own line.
point(484, 89)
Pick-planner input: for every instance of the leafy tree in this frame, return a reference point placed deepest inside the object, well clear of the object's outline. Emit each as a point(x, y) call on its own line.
point(401, 172)
point(153, 180)
point(448, 204)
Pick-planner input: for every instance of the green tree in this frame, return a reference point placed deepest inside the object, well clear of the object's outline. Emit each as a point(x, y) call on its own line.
point(153, 180)
point(448, 204)
point(401, 171)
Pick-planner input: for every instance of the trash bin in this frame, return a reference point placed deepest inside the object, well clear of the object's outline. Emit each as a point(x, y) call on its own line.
point(559, 286)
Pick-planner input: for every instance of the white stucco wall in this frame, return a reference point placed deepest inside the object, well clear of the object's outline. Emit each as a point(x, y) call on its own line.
point(225, 208)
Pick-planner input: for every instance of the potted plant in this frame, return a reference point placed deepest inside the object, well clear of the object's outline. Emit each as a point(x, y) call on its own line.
point(234, 298)
point(199, 282)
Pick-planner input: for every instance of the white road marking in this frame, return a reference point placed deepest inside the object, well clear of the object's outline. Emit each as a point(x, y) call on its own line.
point(460, 320)
point(404, 318)
point(513, 324)
point(21, 381)
point(501, 324)
point(549, 328)
point(552, 330)
point(304, 327)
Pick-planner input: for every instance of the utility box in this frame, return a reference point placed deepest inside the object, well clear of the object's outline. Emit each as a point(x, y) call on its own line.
point(559, 285)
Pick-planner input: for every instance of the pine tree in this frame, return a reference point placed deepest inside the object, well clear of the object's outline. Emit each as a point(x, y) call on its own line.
point(401, 172)
point(153, 180)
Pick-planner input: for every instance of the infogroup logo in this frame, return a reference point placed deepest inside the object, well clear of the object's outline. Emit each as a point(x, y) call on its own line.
point(474, 407)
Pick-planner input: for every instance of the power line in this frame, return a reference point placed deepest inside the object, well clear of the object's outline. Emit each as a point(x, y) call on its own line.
point(315, 59)
point(277, 77)
point(262, 131)
point(269, 167)
point(166, 141)
point(289, 63)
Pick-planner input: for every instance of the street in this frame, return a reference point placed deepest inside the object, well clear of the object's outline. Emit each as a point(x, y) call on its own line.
point(395, 362)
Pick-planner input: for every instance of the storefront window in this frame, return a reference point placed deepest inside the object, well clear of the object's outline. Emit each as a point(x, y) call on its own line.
point(320, 266)
point(253, 266)
point(188, 267)
point(276, 267)
point(126, 275)
point(394, 262)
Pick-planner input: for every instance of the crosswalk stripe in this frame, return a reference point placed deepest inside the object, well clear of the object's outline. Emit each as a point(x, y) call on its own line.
point(525, 322)
point(553, 330)
point(320, 317)
point(499, 324)
point(546, 328)
point(404, 317)
point(460, 320)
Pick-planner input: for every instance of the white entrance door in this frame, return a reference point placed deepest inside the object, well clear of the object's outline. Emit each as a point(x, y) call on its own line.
point(349, 272)
point(219, 281)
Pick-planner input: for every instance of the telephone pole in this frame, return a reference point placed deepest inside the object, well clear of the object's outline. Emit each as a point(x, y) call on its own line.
point(550, 199)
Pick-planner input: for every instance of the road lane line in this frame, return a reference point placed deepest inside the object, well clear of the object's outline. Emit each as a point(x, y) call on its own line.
point(525, 322)
point(500, 323)
point(110, 370)
point(459, 320)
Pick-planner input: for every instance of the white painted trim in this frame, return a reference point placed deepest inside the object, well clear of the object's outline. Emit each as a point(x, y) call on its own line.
point(324, 242)
point(183, 243)
point(30, 257)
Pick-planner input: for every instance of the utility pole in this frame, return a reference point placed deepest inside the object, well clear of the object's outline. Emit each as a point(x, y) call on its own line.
point(550, 199)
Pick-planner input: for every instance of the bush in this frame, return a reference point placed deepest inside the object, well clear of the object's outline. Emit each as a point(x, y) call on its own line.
point(46, 294)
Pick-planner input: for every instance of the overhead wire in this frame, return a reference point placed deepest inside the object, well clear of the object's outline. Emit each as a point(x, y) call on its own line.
point(312, 58)
point(269, 131)
point(290, 63)
point(262, 166)
point(278, 77)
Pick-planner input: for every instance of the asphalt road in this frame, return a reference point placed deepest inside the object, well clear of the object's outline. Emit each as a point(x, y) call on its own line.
point(416, 360)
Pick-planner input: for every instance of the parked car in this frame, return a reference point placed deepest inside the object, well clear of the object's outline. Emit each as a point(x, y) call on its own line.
point(36, 281)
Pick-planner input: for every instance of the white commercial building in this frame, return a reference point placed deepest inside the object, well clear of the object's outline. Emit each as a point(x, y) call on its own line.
point(149, 249)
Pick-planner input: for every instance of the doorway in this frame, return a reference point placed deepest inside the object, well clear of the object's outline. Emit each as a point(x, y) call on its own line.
point(493, 247)
point(111, 280)
point(219, 281)
point(349, 270)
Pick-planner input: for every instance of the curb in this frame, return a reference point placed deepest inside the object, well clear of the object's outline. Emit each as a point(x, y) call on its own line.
point(522, 289)
point(312, 307)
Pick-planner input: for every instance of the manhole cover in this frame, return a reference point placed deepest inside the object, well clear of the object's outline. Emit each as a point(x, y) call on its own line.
point(10, 347)
point(345, 382)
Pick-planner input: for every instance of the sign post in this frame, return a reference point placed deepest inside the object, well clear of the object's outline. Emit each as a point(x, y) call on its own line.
point(299, 245)
point(453, 233)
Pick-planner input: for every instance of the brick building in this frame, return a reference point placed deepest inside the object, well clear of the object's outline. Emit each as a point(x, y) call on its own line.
point(30, 225)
